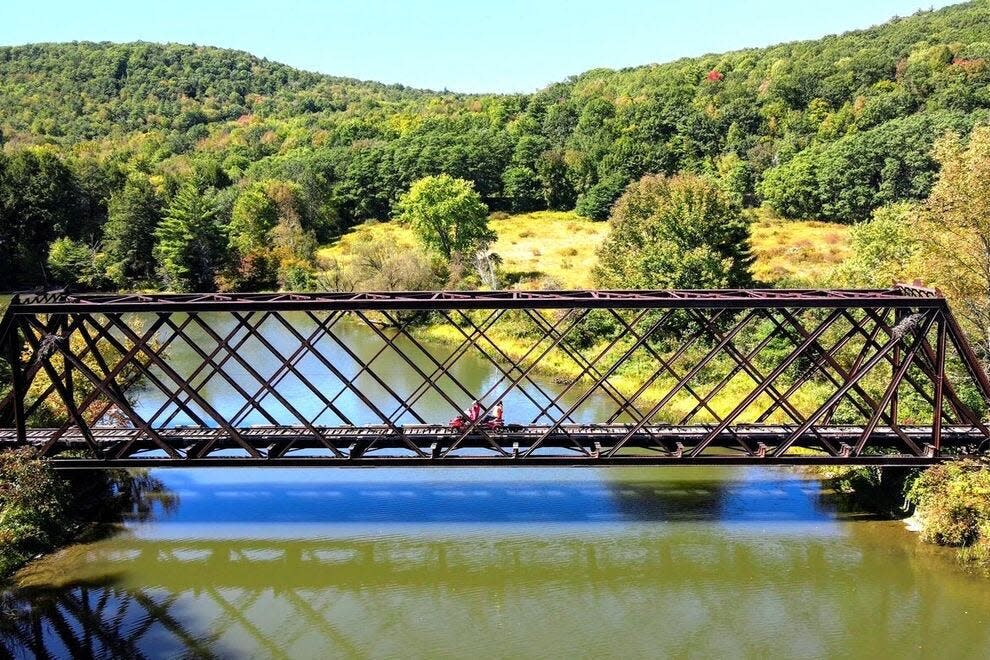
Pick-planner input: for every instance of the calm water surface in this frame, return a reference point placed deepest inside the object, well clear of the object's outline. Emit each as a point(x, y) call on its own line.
point(621, 562)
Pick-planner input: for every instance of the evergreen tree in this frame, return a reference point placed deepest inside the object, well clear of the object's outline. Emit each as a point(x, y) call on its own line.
point(190, 244)
point(129, 235)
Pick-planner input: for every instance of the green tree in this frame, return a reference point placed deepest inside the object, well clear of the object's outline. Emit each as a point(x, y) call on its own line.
point(955, 232)
point(447, 215)
point(677, 232)
point(134, 212)
point(522, 188)
point(597, 202)
point(39, 201)
point(74, 262)
point(266, 235)
point(884, 249)
point(189, 244)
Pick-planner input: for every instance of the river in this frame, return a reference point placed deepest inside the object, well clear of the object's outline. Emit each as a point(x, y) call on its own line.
point(618, 562)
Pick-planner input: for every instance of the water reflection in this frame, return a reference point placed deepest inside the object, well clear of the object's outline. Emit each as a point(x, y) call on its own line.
point(481, 563)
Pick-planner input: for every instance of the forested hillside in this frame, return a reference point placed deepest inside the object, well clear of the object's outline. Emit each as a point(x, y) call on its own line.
point(123, 147)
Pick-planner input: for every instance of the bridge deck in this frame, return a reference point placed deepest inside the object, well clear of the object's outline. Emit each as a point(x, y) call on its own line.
point(379, 445)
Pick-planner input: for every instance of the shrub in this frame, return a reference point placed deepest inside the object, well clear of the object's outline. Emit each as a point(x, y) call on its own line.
point(953, 502)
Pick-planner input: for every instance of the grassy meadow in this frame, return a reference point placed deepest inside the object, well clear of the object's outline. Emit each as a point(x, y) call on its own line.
point(556, 249)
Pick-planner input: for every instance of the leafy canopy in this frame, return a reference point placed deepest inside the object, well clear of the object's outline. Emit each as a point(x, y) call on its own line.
point(680, 232)
point(447, 215)
point(955, 230)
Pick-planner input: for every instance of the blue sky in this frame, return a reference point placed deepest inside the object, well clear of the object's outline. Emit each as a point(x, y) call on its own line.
point(494, 46)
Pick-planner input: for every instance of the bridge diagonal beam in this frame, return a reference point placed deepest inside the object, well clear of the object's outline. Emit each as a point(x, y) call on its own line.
point(258, 394)
point(686, 378)
point(959, 408)
point(895, 382)
point(513, 367)
point(843, 376)
point(588, 368)
point(108, 387)
point(129, 373)
point(215, 369)
point(727, 378)
point(443, 370)
point(411, 363)
point(625, 404)
point(183, 386)
point(264, 382)
point(766, 383)
point(349, 383)
point(820, 363)
point(667, 365)
point(207, 368)
point(68, 400)
point(749, 368)
point(851, 382)
point(524, 373)
point(603, 377)
point(365, 368)
point(144, 366)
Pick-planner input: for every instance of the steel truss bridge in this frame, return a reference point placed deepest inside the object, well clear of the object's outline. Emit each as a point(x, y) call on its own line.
point(869, 377)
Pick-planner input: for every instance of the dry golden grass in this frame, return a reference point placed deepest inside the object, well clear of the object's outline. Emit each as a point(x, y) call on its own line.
point(561, 245)
point(343, 249)
point(796, 252)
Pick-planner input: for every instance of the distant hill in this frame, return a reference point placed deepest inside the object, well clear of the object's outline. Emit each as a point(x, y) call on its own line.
point(828, 128)
point(83, 90)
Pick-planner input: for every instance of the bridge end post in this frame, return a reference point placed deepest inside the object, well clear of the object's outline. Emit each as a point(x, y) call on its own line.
point(940, 341)
point(16, 379)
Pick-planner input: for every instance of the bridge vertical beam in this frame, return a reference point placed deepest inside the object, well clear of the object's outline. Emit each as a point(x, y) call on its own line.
point(17, 381)
point(899, 316)
point(939, 383)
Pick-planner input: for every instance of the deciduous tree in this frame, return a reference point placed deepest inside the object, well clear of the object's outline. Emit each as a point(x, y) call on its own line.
point(447, 215)
point(677, 232)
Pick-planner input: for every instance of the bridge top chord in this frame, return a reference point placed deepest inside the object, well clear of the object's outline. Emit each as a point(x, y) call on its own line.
point(895, 296)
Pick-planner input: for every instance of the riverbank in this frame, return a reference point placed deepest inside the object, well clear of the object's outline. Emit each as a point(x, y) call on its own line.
point(42, 510)
point(949, 504)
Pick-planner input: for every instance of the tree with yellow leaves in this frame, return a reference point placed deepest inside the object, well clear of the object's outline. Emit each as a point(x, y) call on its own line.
point(955, 230)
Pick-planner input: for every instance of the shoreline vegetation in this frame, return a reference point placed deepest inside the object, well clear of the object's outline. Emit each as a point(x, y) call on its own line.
point(42, 510)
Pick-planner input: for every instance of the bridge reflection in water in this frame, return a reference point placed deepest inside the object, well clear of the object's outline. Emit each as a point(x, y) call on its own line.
point(482, 565)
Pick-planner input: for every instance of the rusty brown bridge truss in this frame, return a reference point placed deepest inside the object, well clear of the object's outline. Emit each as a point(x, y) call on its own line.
point(882, 377)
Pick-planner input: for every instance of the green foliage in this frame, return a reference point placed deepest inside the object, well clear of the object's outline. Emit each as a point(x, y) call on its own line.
point(884, 248)
point(447, 215)
point(679, 232)
point(39, 201)
point(190, 246)
point(74, 262)
point(32, 508)
point(955, 228)
point(522, 187)
point(40, 509)
point(597, 202)
point(134, 212)
point(953, 502)
point(832, 129)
